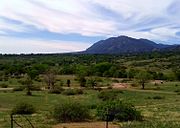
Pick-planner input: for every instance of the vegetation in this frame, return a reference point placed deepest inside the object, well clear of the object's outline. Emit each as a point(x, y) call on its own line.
point(118, 110)
point(109, 95)
point(71, 111)
point(89, 84)
point(72, 92)
point(23, 108)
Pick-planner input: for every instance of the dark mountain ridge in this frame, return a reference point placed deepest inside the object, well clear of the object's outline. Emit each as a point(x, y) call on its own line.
point(125, 44)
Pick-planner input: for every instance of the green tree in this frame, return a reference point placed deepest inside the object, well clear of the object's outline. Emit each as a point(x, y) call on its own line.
point(177, 74)
point(82, 80)
point(28, 85)
point(143, 78)
point(101, 68)
point(92, 82)
point(117, 110)
point(68, 82)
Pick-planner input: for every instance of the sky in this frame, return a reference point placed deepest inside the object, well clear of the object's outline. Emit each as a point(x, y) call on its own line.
point(58, 26)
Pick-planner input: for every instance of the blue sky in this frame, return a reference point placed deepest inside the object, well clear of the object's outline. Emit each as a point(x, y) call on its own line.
point(56, 26)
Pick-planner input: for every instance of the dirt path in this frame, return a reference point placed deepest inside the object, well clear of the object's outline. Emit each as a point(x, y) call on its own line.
point(6, 89)
point(85, 125)
point(125, 86)
point(150, 91)
point(155, 105)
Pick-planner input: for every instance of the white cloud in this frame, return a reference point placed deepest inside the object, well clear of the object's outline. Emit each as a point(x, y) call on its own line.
point(89, 18)
point(12, 27)
point(59, 19)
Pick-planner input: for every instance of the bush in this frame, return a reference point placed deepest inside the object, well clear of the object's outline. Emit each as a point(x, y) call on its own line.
point(157, 88)
point(178, 90)
point(19, 88)
point(98, 89)
point(71, 111)
point(73, 92)
point(23, 108)
point(158, 97)
point(109, 94)
point(115, 81)
point(56, 90)
point(3, 85)
point(119, 111)
point(35, 88)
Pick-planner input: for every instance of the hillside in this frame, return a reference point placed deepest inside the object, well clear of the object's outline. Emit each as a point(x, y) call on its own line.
point(124, 44)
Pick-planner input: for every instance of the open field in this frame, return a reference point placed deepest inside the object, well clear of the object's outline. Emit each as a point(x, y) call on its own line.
point(167, 108)
point(94, 79)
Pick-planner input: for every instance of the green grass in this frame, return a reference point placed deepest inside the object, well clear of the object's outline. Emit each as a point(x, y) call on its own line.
point(152, 109)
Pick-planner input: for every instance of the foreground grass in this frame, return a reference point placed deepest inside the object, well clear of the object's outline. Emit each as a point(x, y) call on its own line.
point(156, 105)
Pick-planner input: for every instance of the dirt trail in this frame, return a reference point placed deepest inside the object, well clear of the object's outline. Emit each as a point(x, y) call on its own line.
point(85, 125)
point(6, 89)
point(151, 91)
point(155, 105)
point(126, 86)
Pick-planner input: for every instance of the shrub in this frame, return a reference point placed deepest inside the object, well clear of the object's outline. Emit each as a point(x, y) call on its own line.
point(109, 94)
point(1, 78)
point(19, 88)
point(117, 110)
point(98, 89)
point(115, 81)
point(73, 92)
point(35, 88)
point(178, 90)
point(3, 85)
point(71, 111)
point(56, 90)
point(157, 88)
point(110, 87)
point(134, 84)
point(158, 97)
point(23, 108)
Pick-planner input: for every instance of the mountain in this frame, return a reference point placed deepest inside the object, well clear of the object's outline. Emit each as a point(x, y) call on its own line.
point(125, 44)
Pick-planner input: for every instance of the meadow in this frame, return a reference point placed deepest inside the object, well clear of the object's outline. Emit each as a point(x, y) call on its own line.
point(94, 79)
point(161, 106)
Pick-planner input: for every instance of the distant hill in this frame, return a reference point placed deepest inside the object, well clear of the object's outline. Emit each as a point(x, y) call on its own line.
point(124, 44)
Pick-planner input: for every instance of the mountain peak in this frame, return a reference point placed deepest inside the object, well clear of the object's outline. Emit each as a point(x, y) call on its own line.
point(124, 44)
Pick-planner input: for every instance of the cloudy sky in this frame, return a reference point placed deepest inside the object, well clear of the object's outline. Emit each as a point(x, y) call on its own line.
point(51, 26)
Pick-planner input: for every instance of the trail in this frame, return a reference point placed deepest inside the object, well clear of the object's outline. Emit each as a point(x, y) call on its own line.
point(125, 86)
point(150, 91)
point(155, 105)
point(6, 89)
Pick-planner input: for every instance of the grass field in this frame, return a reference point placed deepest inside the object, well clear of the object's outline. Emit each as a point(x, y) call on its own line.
point(159, 104)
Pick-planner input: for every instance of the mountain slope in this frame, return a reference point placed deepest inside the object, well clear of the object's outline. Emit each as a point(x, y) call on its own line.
point(124, 44)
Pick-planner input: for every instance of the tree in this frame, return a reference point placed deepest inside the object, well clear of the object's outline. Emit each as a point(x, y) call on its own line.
point(143, 78)
point(68, 82)
point(50, 79)
point(177, 74)
point(32, 73)
point(117, 110)
point(100, 68)
point(28, 83)
point(92, 82)
point(82, 80)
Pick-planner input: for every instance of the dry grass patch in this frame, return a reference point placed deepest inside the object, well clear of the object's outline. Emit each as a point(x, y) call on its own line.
point(85, 125)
